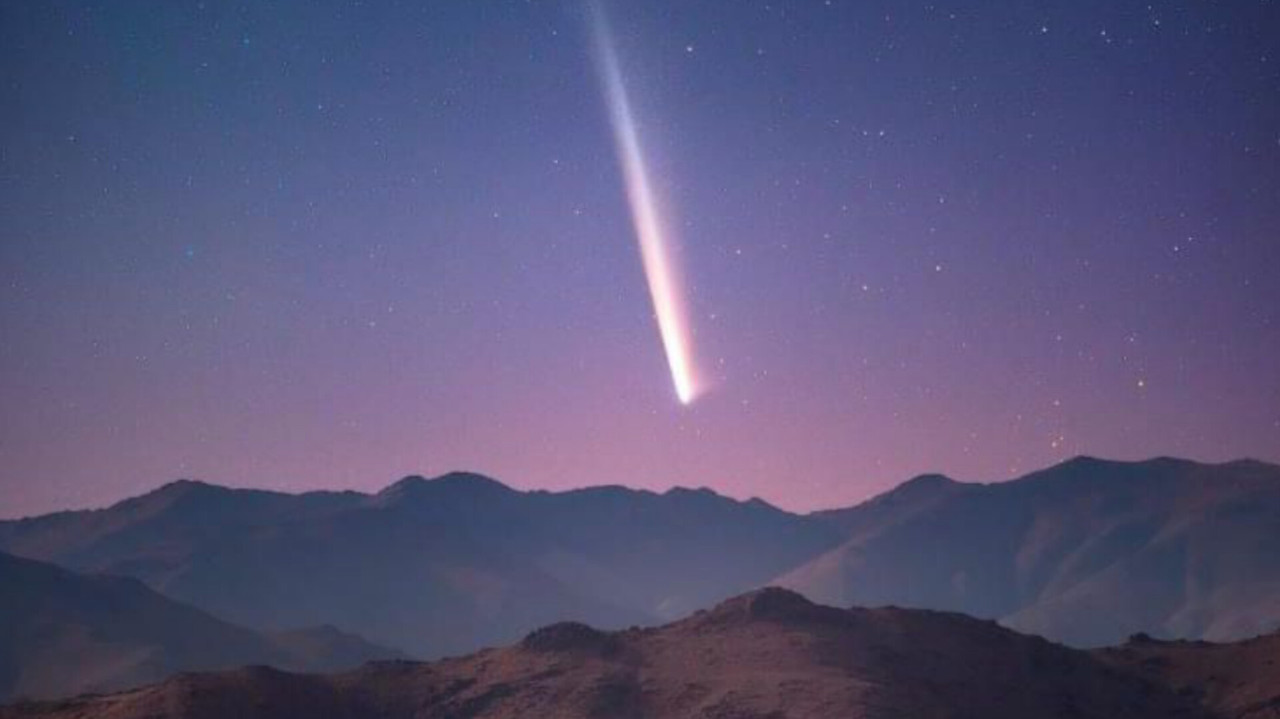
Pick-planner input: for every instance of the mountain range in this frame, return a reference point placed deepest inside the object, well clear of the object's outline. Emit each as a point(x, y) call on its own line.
point(64, 633)
point(769, 653)
point(1086, 552)
point(434, 567)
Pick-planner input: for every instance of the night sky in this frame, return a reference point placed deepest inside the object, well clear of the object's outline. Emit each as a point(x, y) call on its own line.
point(326, 244)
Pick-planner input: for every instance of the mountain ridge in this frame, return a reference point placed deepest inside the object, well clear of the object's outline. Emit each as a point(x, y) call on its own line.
point(465, 476)
point(1087, 551)
point(461, 561)
point(65, 633)
point(447, 564)
point(767, 653)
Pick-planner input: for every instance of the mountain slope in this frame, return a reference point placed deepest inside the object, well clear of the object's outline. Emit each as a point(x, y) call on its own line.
point(436, 566)
point(63, 633)
point(770, 653)
point(1239, 680)
point(1086, 552)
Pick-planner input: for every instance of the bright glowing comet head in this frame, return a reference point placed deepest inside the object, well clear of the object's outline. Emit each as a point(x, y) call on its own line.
point(656, 251)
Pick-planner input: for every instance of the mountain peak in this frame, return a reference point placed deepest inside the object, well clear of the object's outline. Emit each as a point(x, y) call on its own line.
point(918, 488)
point(928, 482)
point(186, 486)
point(1095, 469)
point(469, 479)
point(179, 490)
point(1089, 462)
point(706, 492)
point(450, 484)
point(1082, 461)
point(1251, 464)
point(766, 604)
point(569, 637)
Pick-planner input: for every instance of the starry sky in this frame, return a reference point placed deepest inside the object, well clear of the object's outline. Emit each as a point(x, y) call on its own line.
point(327, 244)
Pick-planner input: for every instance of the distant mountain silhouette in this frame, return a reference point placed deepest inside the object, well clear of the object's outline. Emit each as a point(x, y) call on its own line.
point(63, 633)
point(1086, 552)
point(769, 653)
point(437, 566)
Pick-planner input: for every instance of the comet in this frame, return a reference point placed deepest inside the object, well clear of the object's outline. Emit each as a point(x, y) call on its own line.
point(656, 247)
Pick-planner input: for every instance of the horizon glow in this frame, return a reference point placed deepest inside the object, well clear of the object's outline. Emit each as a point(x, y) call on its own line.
point(656, 251)
point(416, 254)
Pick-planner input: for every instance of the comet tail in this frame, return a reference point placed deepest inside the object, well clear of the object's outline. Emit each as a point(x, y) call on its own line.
point(655, 248)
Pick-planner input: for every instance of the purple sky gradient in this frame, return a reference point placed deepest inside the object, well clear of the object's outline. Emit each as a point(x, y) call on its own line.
point(327, 245)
